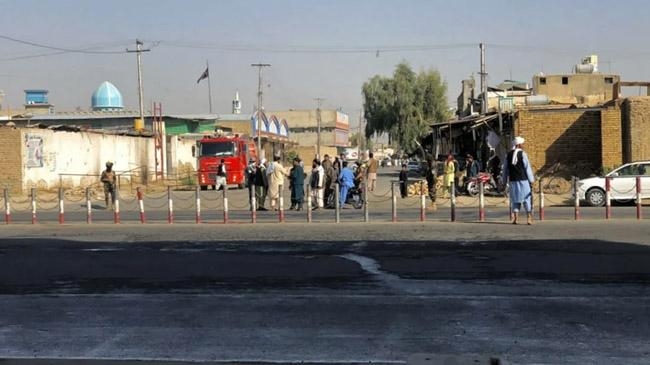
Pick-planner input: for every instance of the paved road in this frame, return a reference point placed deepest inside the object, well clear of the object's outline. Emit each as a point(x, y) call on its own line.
point(551, 293)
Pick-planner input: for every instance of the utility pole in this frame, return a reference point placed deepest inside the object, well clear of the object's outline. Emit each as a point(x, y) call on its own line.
point(259, 106)
point(138, 51)
point(484, 103)
point(318, 121)
point(359, 147)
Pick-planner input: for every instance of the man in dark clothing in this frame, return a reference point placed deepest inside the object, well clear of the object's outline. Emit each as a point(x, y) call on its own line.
point(250, 181)
point(261, 184)
point(297, 182)
point(403, 181)
point(430, 175)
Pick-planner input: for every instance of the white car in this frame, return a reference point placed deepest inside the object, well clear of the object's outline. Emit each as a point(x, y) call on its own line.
point(622, 184)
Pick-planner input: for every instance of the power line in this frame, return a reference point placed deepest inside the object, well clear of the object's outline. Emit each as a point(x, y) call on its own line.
point(54, 48)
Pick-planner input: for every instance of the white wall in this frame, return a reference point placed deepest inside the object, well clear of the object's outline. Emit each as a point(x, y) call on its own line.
point(84, 155)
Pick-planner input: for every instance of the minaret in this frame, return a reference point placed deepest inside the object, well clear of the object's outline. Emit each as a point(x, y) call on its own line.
point(236, 105)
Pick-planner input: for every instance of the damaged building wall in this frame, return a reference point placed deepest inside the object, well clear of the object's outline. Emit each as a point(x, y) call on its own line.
point(636, 128)
point(567, 136)
point(11, 172)
point(612, 141)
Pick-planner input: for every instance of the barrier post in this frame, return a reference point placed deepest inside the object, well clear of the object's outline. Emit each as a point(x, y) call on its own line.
point(337, 205)
point(116, 206)
point(197, 199)
point(140, 204)
point(638, 197)
point(170, 206)
point(7, 207)
point(281, 205)
point(608, 197)
point(33, 196)
point(225, 203)
point(61, 209)
point(366, 208)
point(89, 207)
point(481, 202)
point(253, 205)
point(423, 202)
point(308, 203)
point(577, 200)
point(394, 202)
point(541, 201)
point(453, 201)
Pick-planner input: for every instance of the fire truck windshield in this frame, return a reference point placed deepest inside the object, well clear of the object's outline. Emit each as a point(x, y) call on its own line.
point(218, 149)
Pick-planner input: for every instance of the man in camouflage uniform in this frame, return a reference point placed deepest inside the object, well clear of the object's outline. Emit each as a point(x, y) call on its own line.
point(109, 178)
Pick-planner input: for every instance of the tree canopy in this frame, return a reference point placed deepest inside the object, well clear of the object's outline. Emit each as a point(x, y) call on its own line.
point(405, 105)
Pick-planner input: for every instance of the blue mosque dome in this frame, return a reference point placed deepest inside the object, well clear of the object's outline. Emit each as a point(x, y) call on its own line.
point(107, 97)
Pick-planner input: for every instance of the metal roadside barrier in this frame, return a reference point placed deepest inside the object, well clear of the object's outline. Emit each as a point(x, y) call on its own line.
point(34, 205)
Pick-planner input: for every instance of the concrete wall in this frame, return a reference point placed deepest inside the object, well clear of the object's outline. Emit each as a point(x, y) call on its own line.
point(46, 159)
point(636, 128)
point(588, 89)
point(567, 136)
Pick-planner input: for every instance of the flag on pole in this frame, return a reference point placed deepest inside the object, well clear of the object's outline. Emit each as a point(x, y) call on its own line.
point(204, 75)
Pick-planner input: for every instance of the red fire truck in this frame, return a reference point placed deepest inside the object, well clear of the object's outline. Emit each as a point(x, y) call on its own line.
point(234, 149)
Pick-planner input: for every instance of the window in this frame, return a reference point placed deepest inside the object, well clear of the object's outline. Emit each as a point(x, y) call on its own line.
point(542, 80)
point(221, 149)
point(609, 80)
point(565, 80)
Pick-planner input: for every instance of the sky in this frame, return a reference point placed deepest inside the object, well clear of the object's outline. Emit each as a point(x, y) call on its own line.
point(317, 49)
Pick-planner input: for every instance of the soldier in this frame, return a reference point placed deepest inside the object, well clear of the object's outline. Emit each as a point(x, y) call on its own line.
point(108, 178)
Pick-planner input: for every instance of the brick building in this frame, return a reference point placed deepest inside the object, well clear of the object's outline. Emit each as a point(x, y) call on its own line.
point(596, 138)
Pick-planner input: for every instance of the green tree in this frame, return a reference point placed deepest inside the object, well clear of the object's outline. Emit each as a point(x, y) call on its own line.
point(405, 105)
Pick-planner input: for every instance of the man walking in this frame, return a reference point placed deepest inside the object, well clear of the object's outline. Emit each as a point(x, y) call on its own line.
point(372, 171)
point(517, 172)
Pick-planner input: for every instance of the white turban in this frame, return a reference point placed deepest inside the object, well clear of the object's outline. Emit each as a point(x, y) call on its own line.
point(519, 140)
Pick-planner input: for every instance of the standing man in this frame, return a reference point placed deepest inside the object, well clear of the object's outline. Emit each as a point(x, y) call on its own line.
point(329, 175)
point(297, 177)
point(250, 181)
point(277, 179)
point(372, 171)
point(517, 172)
point(316, 183)
point(430, 175)
point(346, 179)
point(108, 178)
point(403, 181)
point(261, 184)
point(450, 173)
point(221, 176)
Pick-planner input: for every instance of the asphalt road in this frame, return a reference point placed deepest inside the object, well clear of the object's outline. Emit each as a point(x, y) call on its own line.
point(554, 292)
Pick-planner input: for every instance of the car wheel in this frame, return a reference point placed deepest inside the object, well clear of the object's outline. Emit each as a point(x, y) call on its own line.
point(204, 187)
point(595, 197)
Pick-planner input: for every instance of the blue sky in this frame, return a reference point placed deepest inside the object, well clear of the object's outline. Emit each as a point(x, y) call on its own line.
point(321, 49)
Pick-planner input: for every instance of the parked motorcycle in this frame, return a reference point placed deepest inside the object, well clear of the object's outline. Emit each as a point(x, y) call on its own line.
point(490, 186)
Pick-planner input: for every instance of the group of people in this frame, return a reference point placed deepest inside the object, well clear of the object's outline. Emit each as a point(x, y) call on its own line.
point(264, 181)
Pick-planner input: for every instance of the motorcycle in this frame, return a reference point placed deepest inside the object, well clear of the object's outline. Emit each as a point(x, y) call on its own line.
point(490, 186)
point(354, 198)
